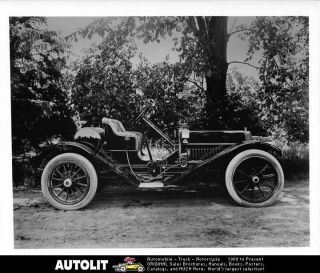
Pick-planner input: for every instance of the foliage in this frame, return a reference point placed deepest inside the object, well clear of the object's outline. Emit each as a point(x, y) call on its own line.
point(192, 51)
point(284, 73)
point(201, 43)
point(202, 46)
point(244, 105)
point(24, 172)
point(175, 100)
point(103, 85)
point(295, 160)
point(188, 35)
point(39, 102)
point(107, 85)
point(280, 105)
point(197, 40)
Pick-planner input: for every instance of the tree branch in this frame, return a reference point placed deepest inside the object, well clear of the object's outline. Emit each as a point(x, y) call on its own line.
point(54, 49)
point(193, 24)
point(203, 31)
point(196, 84)
point(237, 62)
point(233, 24)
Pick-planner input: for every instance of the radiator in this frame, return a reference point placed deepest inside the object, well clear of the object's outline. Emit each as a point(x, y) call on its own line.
point(201, 153)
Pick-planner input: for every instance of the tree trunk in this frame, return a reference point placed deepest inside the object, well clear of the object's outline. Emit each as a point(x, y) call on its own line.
point(216, 82)
point(213, 33)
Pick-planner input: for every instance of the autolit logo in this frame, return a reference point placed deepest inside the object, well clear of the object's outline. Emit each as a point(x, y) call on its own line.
point(129, 264)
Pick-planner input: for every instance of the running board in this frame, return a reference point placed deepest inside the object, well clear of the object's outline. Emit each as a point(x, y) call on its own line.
point(151, 185)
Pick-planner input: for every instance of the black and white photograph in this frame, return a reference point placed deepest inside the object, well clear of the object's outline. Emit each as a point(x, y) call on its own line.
point(183, 130)
point(178, 131)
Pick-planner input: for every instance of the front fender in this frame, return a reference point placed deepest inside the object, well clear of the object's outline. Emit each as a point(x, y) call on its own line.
point(222, 159)
point(267, 147)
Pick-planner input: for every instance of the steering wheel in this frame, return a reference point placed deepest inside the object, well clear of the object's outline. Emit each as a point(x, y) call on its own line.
point(144, 110)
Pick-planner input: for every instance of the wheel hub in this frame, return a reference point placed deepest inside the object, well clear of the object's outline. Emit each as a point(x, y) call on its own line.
point(255, 179)
point(67, 182)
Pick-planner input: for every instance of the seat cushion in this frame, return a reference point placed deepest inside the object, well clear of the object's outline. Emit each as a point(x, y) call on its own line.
point(115, 124)
point(119, 126)
point(117, 140)
point(139, 139)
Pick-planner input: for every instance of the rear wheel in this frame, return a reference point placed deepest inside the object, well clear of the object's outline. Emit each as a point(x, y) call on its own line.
point(69, 181)
point(254, 178)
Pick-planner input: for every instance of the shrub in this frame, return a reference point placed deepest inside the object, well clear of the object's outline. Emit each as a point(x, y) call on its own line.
point(24, 173)
point(295, 160)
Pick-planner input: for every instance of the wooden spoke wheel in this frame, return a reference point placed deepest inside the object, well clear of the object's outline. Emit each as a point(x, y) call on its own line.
point(69, 181)
point(254, 178)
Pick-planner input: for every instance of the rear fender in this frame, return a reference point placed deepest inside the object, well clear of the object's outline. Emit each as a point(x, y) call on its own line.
point(102, 163)
point(71, 147)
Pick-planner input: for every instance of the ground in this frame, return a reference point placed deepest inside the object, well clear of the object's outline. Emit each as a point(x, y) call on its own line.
point(124, 218)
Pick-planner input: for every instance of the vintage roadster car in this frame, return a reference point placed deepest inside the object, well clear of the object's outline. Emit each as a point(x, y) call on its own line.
point(129, 264)
point(125, 267)
point(250, 168)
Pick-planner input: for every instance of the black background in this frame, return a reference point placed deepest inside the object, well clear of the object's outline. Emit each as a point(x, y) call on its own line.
point(42, 264)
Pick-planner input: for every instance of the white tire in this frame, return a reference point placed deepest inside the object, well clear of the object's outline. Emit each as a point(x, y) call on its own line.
point(69, 181)
point(254, 178)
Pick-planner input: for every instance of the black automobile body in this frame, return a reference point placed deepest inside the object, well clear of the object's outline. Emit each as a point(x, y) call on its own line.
point(253, 176)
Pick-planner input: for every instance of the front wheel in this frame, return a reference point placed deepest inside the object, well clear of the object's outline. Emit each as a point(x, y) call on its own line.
point(69, 181)
point(254, 178)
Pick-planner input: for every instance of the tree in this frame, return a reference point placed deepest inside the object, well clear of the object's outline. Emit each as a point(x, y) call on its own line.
point(108, 85)
point(284, 73)
point(202, 49)
point(40, 109)
point(244, 100)
point(176, 100)
point(201, 43)
point(103, 85)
